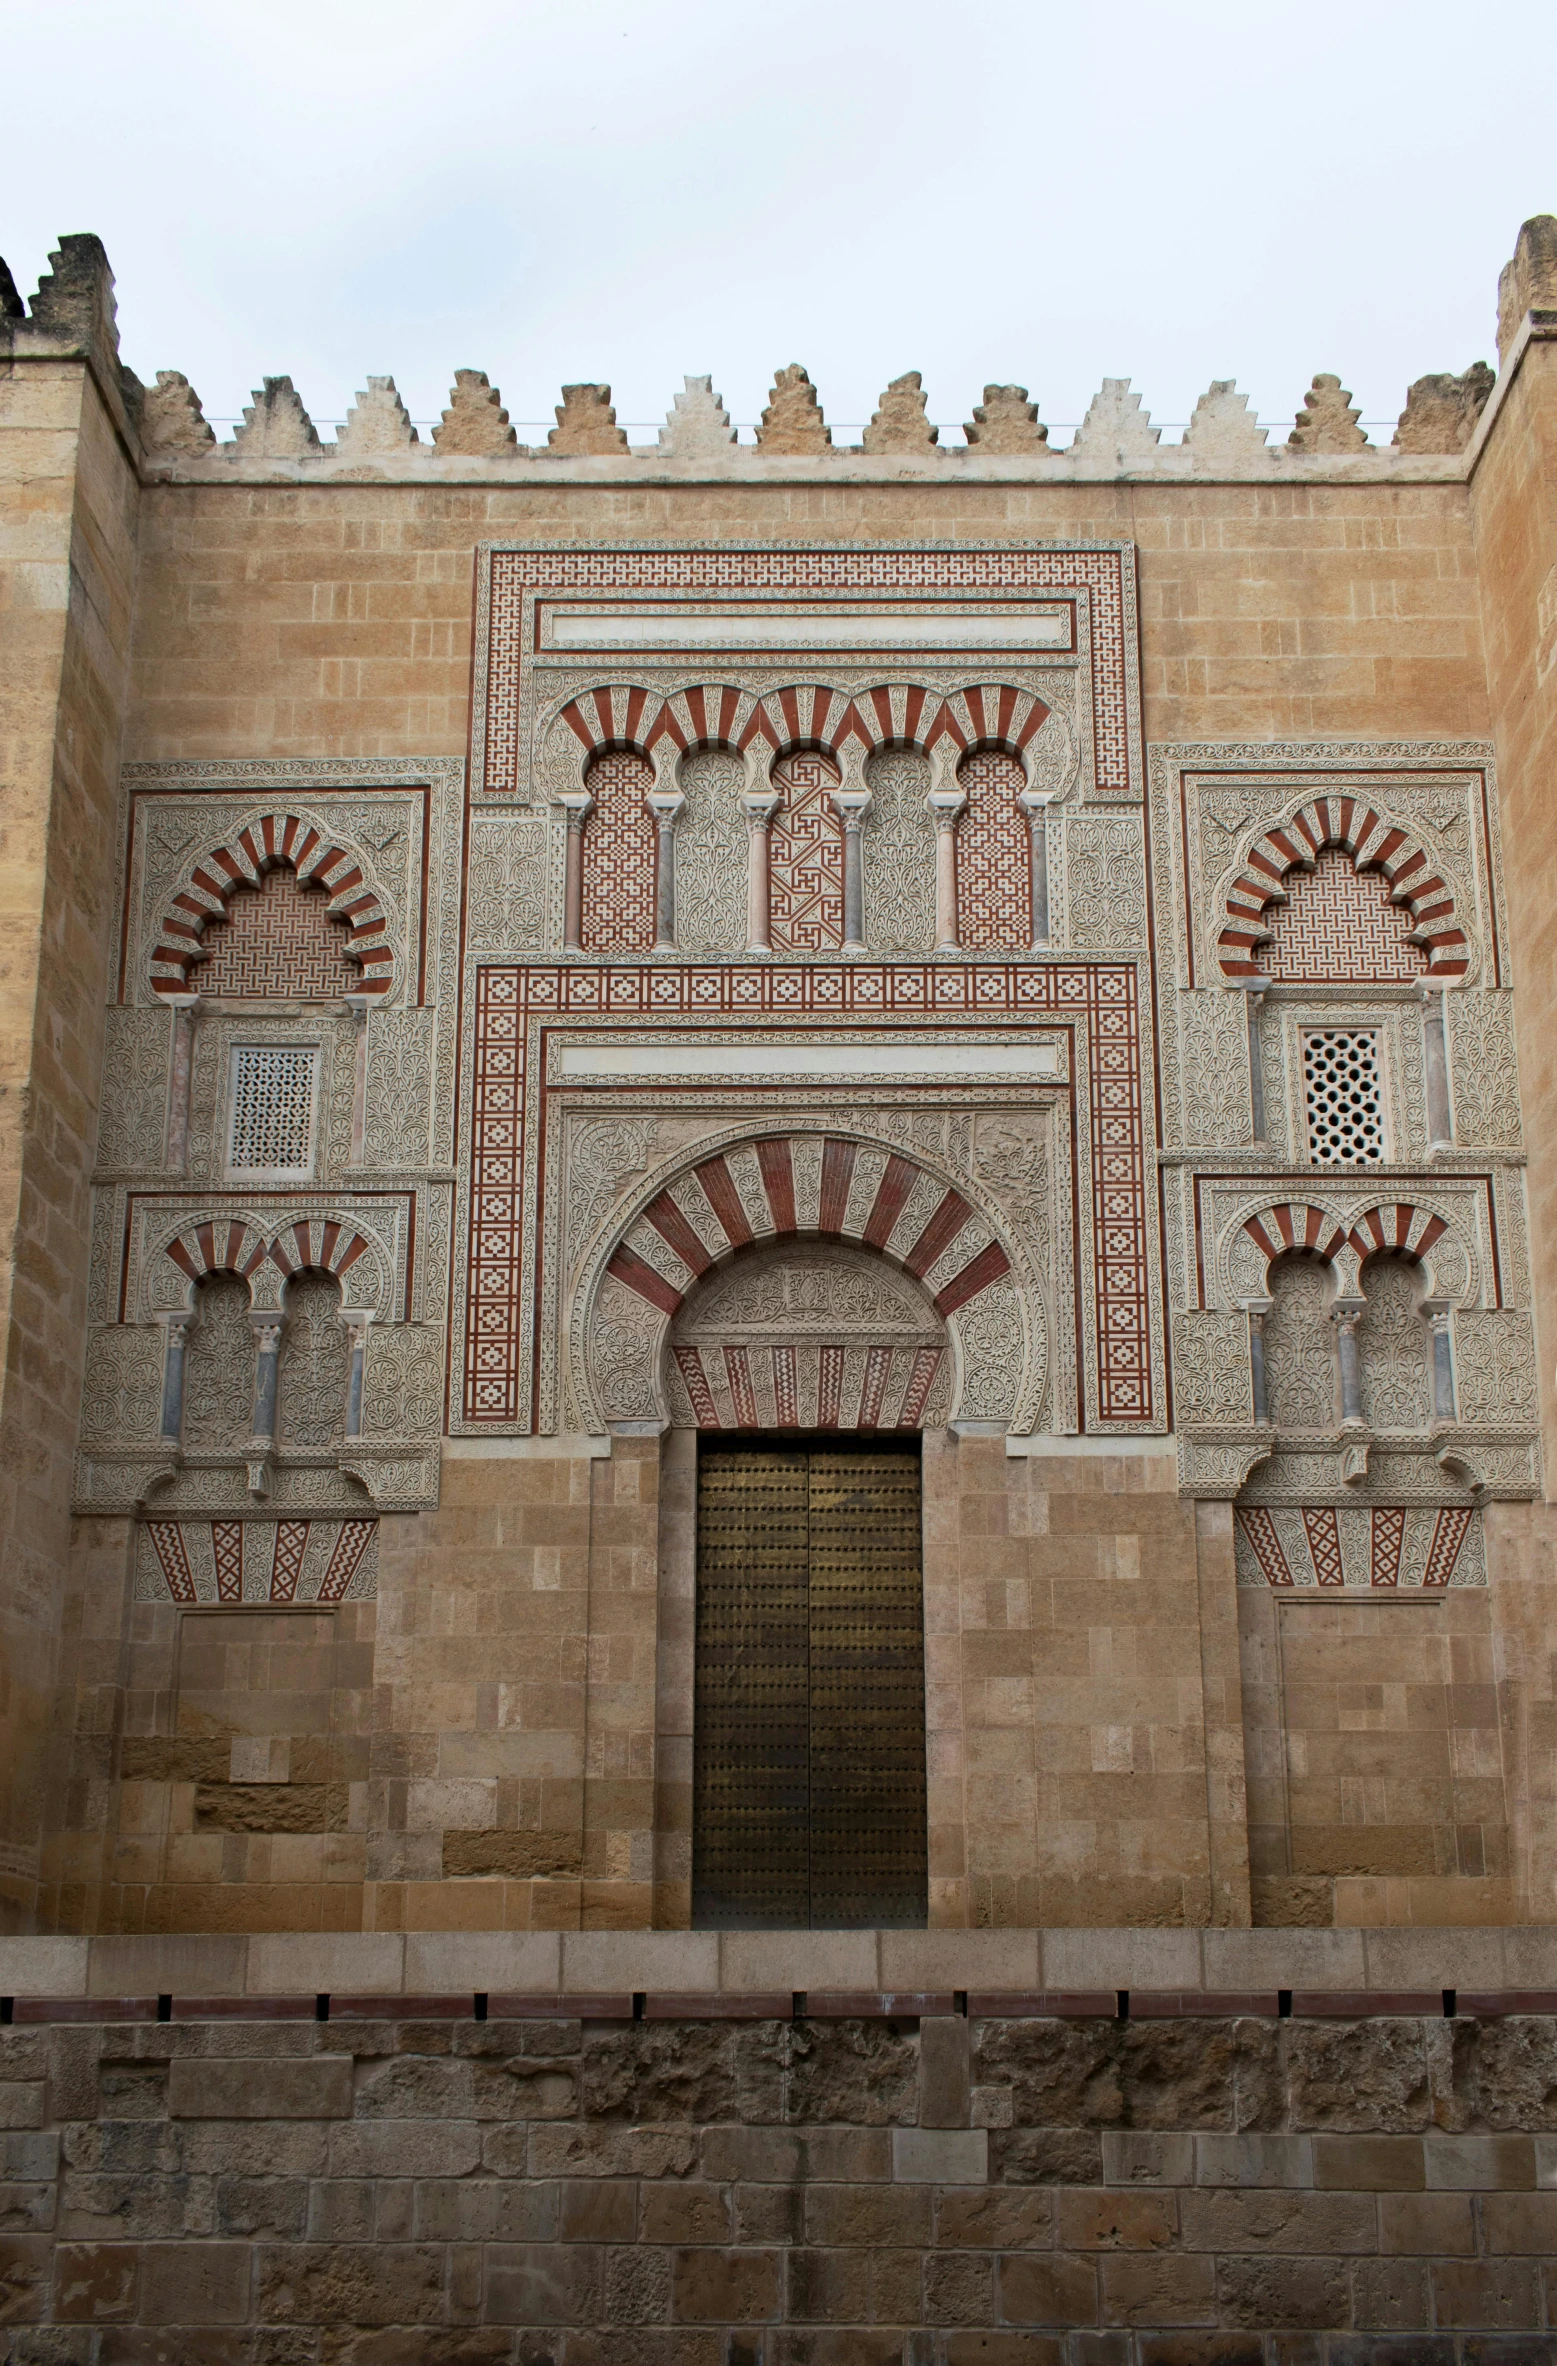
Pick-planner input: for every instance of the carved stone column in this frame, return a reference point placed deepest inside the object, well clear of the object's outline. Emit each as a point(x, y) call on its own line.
point(1440, 1115)
point(1344, 1314)
point(1253, 990)
point(852, 802)
point(175, 1347)
point(759, 803)
point(356, 1321)
point(578, 805)
point(1436, 1313)
point(267, 1356)
point(185, 1009)
point(666, 802)
point(1035, 804)
point(947, 802)
point(359, 1005)
point(1257, 1309)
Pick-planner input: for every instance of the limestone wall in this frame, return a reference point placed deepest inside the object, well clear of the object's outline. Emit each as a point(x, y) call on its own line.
point(68, 507)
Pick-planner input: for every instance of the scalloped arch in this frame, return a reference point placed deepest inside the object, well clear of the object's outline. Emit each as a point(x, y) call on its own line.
point(1374, 844)
point(268, 842)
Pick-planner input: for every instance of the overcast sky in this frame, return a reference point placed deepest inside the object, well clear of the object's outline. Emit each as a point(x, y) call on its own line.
point(587, 189)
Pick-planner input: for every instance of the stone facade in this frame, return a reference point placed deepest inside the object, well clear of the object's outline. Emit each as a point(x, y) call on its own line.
point(523, 964)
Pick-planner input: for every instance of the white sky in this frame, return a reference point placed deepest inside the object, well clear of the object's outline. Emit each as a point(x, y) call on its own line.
point(589, 189)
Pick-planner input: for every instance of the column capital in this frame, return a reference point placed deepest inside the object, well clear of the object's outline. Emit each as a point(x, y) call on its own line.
point(578, 805)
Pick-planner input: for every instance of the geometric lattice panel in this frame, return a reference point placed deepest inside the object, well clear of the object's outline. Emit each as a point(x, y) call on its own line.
point(618, 857)
point(274, 1087)
point(209, 1562)
point(1342, 1092)
point(994, 857)
point(278, 942)
point(1339, 927)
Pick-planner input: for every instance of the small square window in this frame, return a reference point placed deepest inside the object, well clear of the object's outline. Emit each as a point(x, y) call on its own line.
point(1343, 1093)
point(275, 1093)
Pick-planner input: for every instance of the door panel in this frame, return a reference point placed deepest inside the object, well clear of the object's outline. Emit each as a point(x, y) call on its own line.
point(808, 1760)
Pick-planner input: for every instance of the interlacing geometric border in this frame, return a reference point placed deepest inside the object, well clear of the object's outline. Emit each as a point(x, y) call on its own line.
point(1104, 995)
point(507, 576)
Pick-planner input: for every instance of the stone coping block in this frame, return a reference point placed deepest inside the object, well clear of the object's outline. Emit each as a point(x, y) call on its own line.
point(1491, 1967)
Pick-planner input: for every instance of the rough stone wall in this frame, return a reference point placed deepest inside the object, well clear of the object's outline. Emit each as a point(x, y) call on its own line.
point(68, 508)
point(1064, 2190)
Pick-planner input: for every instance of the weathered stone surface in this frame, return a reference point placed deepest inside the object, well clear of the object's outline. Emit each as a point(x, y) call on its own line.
point(377, 424)
point(275, 425)
point(792, 424)
point(172, 420)
point(586, 424)
point(475, 425)
point(1357, 2074)
point(1327, 422)
point(863, 2071)
point(1441, 411)
point(1005, 424)
point(259, 2090)
point(900, 425)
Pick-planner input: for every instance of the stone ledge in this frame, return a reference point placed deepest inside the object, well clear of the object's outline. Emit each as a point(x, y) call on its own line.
point(1194, 1967)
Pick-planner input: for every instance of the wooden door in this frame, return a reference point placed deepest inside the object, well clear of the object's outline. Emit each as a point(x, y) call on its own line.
point(808, 1754)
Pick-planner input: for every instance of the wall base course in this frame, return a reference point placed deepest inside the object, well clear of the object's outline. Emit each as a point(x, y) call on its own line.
point(302, 2192)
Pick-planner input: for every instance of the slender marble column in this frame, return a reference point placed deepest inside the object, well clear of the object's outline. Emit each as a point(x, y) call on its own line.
point(851, 806)
point(185, 1009)
point(359, 1005)
point(578, 804)
point(357, 1324)
point(1257, 1309)
point(267, 1353)
point(947, 801)
point(667, 804)
point(1035, 804)
point(1440, 1115)
point(1436, 1311)
point(1253, 990)
point(1344, 1314)
point(175, 1347)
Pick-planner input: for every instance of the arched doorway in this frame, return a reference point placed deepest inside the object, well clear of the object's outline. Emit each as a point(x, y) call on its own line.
point(809, 1367)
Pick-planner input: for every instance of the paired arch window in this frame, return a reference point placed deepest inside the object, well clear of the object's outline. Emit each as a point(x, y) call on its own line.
point(1303, 1374)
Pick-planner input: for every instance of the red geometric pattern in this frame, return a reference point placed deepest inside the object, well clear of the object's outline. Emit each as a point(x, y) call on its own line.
point(350, 1546)
point(320, 1244)
point(168, 1543)
point(278, 841)
point(785, 1393)
point(920, 1382)
point(1107, 576)
point(1448, 1536)
point(805, 857)
point(277, 943)
point(1389, 1535)
point(619, 848)
point(227, 1551)
point(1100, 996)
point(877, 1365)
point(838, 1163)
point(1373, 844)
point(704, 1409)
point(1324, 1545)
point(291, 1545)
point(1398, 1229)
point(741, 1395)
point(994, 857)
point(1260, 1529)
point(829, 1395)
point(1339, 923)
